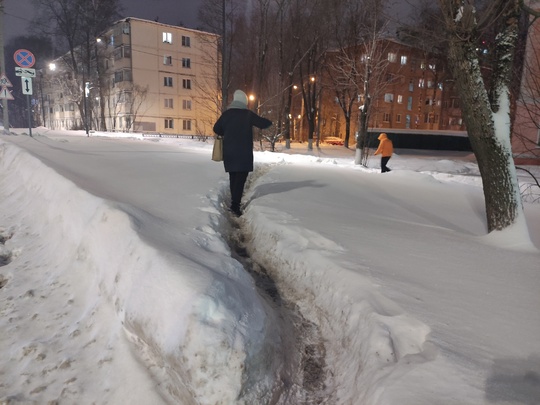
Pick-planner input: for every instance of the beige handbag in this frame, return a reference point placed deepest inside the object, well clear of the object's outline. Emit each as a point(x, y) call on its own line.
point(217, 151)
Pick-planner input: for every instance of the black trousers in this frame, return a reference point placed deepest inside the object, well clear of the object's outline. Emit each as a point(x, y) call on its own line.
point(237, 180)
point(384, 161)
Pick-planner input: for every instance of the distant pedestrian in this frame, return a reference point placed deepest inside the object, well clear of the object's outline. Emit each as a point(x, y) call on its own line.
point(236, 127)
point(385, 149)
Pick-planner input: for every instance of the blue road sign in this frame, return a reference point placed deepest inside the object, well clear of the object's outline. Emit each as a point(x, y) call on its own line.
point(24, 58)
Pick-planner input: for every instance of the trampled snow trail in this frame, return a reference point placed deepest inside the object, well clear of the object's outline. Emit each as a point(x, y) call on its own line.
point(303, 374)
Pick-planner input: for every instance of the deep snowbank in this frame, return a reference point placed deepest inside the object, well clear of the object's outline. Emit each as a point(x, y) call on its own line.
point(360, 322)
point(103, 290)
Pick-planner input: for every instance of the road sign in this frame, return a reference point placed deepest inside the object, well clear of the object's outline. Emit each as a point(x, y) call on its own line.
point(6, 94)
point(26, 85)
point(24, 58)
point(25, 72)
point(4, 81)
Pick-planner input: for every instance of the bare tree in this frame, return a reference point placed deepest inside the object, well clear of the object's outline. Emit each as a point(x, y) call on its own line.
point(76, 24)
point(357, 26)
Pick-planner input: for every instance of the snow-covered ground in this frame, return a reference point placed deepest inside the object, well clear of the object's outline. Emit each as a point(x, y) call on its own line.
point(120, 282)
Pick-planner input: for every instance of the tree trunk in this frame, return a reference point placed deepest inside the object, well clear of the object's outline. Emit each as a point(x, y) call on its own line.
point(491, 144)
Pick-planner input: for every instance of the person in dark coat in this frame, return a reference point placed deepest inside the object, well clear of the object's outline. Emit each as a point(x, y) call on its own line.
point(236, 127)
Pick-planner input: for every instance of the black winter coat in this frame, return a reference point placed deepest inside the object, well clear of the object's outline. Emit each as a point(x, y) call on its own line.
point(236, 127)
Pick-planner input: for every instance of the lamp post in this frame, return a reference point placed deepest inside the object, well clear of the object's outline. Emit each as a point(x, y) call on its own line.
point(86, 94)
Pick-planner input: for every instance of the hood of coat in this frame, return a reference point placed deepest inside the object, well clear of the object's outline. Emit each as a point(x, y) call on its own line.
point(240, 100)
point(382, 136)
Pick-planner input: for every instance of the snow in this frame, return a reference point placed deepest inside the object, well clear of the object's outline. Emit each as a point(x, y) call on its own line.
point(122, 283)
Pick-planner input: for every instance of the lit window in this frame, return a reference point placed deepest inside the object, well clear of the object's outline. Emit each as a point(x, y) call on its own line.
point(392, 57)
point(421, 83)
point(400, 99)
point(403, 59)
point(167, 37)
point(388, 97)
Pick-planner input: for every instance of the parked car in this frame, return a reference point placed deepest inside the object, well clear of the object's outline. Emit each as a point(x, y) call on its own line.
point(333, 140)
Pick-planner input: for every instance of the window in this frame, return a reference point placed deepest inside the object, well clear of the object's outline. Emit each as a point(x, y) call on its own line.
point(398, 118)
point(167, 60)
point(388, 97)
point(392, 57)
point(430, 84)
point(403, 59)
point(169, 103)
point(400, 99)
point(409, 103)
point(122, 76)
point(186, 41)
point(421, 83)
point(407, 121)
point(186, 125)
point(169, 123)
point(386, 117)
point(124, 97)
point(186, 104)
point(123, 51)
point(186, 84)
point(167, 38)
point(411, 86)
point(538, 137)
point(429, 101)
point(186, 63)
point(167, 81)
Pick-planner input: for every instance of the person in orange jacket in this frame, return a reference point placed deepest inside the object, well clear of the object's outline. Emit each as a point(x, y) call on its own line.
point(385, 149)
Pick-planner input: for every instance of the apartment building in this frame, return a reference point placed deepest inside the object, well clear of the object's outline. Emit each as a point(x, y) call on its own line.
point(144, 77)
point(410, 90)
point(526, 130)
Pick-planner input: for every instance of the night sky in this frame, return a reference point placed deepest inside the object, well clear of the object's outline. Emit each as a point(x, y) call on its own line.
point(18, 13)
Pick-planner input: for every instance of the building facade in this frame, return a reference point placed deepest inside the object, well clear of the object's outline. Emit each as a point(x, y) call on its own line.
point(410, 92)
point(144, 77)
point(526, 130)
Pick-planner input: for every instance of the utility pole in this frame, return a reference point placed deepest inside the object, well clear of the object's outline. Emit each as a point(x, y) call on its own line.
point(3, 66)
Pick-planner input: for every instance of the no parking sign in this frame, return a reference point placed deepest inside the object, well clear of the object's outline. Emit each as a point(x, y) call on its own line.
point(24, 58)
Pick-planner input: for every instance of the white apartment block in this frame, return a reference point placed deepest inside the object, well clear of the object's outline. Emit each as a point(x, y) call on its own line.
point(144, 77)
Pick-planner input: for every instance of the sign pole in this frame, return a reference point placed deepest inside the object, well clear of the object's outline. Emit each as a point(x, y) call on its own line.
point(29, 114)
point(25, 60)
point(3, 67)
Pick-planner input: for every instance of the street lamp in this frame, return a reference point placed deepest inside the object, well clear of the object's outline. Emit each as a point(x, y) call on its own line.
point(86, 94)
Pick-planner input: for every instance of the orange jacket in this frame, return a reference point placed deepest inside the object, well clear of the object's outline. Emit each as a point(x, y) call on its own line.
point(386, 148)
